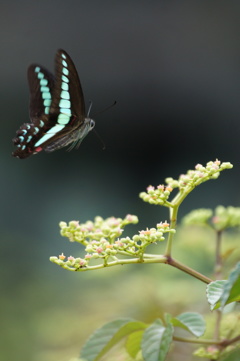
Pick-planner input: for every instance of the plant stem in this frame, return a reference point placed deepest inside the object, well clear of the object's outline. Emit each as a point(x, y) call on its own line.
point(217, 325)
point(192, 340)
point(159, 259)
point(225, 343)
point(188, 270)
point(173, 222)
point(218, 264)
point(176, 202)
point(222, 344)
point(218, 275)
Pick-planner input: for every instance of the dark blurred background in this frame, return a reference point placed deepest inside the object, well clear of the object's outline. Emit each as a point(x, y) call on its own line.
point(174, 69)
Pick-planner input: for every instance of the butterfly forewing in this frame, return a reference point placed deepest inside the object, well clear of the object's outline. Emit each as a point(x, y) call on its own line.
point(68, 99)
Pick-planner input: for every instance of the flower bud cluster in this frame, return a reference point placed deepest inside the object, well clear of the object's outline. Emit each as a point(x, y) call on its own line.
point(226, 217)
point(210, 352)
point(152, 235)
point(108, 229)
point(100, 249)
point(158, 195)
point(103, 248)
point(71, 262)
point(186, 182)
point(201, 174)
point(199, 217)
point(222, 218)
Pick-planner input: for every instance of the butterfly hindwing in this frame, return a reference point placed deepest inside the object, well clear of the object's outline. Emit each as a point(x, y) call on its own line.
point(27, 136)
point(41, 84)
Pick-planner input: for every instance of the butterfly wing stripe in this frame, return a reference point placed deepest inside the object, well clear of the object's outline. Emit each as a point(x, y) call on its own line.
point(49, 134)
point(41, 84)
point(67, 98)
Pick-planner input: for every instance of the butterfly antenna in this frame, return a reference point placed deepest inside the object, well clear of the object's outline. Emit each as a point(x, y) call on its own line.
point(103, 110)
point(90, 107)
point(100, 139)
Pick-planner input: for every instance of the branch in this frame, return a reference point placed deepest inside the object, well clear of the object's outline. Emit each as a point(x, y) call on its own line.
point(188, 270)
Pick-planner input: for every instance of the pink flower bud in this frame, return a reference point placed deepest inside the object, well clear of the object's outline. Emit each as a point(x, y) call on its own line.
point(119, 243)
point(74, 223)
point(215, 219)
point(145, 232)
point(99, 250)
point(82, 262)
point(129, 217)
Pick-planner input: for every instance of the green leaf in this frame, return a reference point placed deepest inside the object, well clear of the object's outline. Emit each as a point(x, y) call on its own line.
point(190, 321)
point(214, 293)
point(231, 289)
point(156, 341)
point(223, 292)
point(103, 339)
point(98, 341)
point(133, 344)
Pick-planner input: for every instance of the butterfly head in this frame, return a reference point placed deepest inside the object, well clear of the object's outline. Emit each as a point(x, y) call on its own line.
point(91, 123)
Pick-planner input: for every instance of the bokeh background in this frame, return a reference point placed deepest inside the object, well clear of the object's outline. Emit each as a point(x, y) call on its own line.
point(174, 69)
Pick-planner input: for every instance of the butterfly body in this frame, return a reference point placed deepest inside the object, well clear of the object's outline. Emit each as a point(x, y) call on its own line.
point(57, 110)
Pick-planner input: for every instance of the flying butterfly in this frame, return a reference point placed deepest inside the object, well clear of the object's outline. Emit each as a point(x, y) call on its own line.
point(57, 110)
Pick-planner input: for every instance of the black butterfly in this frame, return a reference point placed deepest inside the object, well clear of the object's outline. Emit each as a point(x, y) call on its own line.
point(57, 109)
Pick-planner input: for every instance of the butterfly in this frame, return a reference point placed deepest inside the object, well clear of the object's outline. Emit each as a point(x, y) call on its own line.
point(57, 110)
